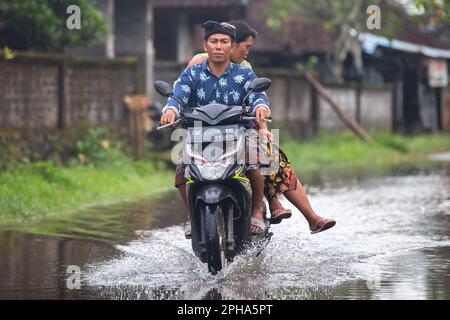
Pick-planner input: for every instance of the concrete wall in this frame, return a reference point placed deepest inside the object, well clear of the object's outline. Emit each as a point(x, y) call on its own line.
point(346, 99)
point(96, 95)
point(28, 95)
point(290, 101)
point(293, 107)
point(54, 91)
point(93, 89)
point(103, 47)
point(375, 108)
point(169, 72)
point(130, 33)
point(134, 24)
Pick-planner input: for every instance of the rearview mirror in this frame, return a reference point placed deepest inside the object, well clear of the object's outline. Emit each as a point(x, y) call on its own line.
point(260, 84)
point(163, 88)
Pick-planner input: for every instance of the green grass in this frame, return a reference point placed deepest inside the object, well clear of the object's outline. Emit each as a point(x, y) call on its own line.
point(344, 150)
point(42, 189)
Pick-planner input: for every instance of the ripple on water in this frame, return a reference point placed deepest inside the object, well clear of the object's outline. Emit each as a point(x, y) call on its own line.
point(377, 219)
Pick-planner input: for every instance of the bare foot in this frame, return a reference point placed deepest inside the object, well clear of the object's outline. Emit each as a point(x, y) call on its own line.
point(275, 204)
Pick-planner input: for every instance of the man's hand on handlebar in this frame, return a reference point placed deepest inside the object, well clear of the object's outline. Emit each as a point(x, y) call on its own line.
point(168, 117)
point(262, 113)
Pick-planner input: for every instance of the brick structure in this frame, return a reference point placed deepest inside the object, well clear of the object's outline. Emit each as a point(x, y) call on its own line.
point(40, 91)
point(28, 95)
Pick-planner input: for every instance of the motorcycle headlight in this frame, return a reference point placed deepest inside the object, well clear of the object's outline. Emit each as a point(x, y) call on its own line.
point(212, 171)
point(192, 153)
point(233, 150)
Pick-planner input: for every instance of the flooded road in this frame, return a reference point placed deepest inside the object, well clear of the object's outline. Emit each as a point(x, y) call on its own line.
point(391, 241)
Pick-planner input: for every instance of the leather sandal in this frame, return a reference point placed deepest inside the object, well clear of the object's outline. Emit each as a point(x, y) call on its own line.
point(279, 215)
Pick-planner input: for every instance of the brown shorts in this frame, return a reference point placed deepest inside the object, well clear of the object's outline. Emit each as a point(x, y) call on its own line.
point(180, 179)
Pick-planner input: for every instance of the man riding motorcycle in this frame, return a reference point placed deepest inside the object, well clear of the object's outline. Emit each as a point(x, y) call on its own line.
point(217, 80)
point(284, 181)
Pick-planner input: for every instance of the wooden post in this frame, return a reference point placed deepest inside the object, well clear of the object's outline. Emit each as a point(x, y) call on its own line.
point(62, 110)
point(341, 114)
point(138, 117)
point(446, 112)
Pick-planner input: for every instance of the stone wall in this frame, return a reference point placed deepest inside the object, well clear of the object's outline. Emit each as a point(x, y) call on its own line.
point(297, 108)
point(59, 91)
point(28, 95)
point(375, 108)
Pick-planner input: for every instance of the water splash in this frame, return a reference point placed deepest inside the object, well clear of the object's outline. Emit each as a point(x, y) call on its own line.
point(377, 219)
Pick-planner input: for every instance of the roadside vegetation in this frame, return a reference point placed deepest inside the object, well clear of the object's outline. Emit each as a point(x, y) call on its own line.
point(343, 151)
point(94, 168)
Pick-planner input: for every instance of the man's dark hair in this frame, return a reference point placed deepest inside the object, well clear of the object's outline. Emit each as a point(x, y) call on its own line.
point(243, 31)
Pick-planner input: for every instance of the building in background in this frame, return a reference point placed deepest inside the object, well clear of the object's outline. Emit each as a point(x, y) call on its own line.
point(404, 85)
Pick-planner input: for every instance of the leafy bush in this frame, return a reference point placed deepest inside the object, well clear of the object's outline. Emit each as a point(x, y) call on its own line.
point(97, 147)
point(41, 24)
point(79, 144)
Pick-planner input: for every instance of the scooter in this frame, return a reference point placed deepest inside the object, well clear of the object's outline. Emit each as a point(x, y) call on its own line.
point(219, 193)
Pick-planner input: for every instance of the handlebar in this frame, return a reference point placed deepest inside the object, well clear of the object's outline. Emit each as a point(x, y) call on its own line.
point(245, 118)
point(169, 124)
point(254, 118)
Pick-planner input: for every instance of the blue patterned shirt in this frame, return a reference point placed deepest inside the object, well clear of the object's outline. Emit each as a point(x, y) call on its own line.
point(198, 86)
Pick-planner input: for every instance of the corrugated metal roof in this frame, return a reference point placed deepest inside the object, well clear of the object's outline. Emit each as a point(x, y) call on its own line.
point(371, 42)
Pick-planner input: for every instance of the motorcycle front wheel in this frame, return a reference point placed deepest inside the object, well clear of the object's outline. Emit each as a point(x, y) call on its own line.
point(215, 239)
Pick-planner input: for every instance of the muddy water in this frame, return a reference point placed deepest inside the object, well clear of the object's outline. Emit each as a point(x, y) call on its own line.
point(392, 241)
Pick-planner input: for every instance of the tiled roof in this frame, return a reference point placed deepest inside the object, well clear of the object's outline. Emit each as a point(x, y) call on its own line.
point(298, 37)
point(302, 37)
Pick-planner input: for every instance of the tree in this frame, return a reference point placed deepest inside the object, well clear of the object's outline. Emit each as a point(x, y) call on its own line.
point(41, 24)
point(434, 17)
point(434, 10)
point(347, 19)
